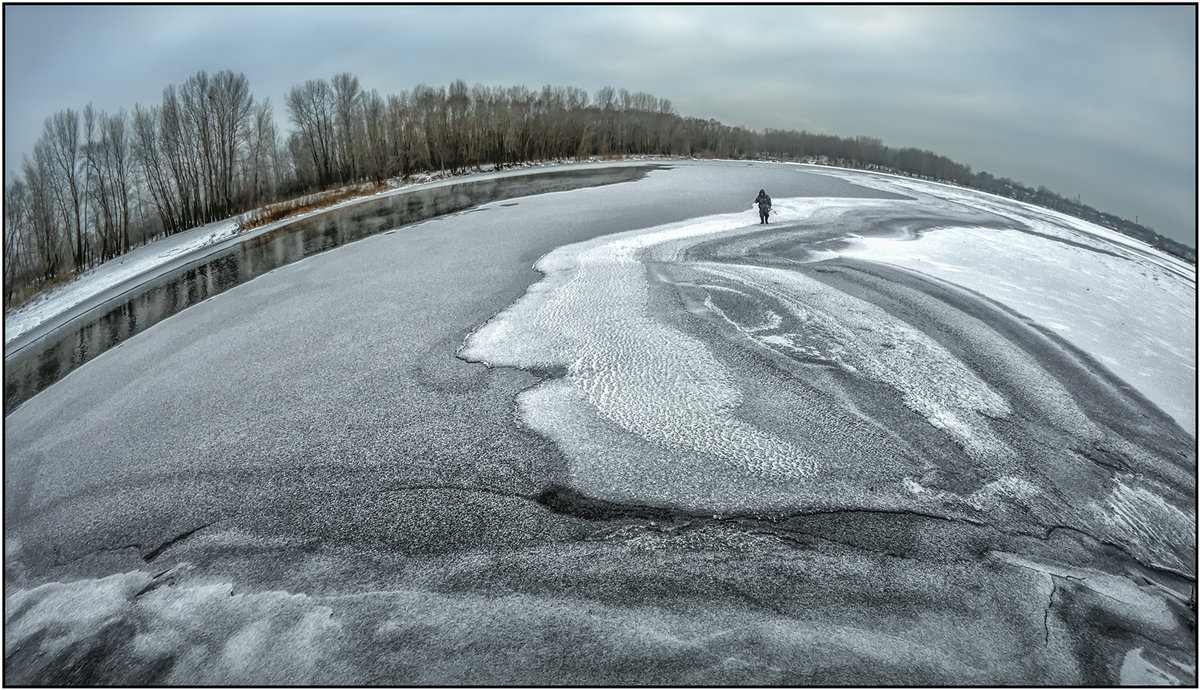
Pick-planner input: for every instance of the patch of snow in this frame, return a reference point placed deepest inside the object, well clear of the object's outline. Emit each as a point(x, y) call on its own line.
point(1130, 307)
point(627, 368)
point(112, 273)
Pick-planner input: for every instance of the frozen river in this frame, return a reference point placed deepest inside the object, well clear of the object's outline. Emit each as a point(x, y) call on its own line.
point(625, 434)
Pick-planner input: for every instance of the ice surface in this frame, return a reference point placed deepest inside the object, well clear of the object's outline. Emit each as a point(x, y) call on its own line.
point(212, 634)
point(592, 315)
point(1136, 602)
point(1136, 669)
point(644, 404)
point(640, 397)
point(1131, 307)
point(864, 338)
point(377, 511)
point(1135, 513)
point(711, 615)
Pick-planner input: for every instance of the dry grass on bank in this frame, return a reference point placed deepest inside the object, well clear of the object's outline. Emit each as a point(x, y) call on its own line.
point(286, 209)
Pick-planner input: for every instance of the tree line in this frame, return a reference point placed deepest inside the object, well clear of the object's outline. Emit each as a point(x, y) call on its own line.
point(97, 184)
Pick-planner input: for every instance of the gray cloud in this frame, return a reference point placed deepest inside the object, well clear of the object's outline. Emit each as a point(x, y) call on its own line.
point(1098, 101)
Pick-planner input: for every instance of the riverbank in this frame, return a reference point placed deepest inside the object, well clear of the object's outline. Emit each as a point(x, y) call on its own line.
point(153, 255)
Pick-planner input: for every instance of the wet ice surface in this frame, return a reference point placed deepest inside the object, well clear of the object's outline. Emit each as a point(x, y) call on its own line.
point(688, 449)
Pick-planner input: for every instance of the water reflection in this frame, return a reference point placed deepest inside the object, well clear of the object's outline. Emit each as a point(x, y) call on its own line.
point(51, 357)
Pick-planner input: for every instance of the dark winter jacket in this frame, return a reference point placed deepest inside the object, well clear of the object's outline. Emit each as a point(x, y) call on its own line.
point(762, 200)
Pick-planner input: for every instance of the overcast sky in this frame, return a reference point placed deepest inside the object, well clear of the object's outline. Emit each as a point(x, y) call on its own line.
point(1096, 101)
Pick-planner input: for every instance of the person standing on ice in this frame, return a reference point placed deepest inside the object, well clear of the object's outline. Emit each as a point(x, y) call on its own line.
point(764, 205)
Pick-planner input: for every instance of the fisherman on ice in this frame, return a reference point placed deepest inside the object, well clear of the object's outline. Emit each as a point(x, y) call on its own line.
point(764, 206)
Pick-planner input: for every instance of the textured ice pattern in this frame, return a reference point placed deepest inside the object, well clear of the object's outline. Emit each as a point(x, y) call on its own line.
point(861, 337)
point(877, 444)
point(592, 316)
point(1082, 281)
point(643, 405)
point(646, 409)
point(1134, 514)
point(211, 634)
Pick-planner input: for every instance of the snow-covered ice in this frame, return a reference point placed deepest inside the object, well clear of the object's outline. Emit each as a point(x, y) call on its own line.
point(637, 391)
point(705, 452)
point(1127, 305)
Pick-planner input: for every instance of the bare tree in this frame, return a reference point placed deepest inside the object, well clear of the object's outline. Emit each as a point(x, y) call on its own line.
point(231, 103)
point(44, 221)
point(217, 110)
point(64, 150)
point(429, 111)
point(377, 161)
point(402, 132)
point(109, 179)
point(310, 108)
point(178, 137)
point(458, 123)
point(17, 238)
point(348, 126)
point(153, 167)
point(263, 170)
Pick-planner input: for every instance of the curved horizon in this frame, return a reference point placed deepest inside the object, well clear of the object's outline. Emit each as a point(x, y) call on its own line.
point(1102, 108)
